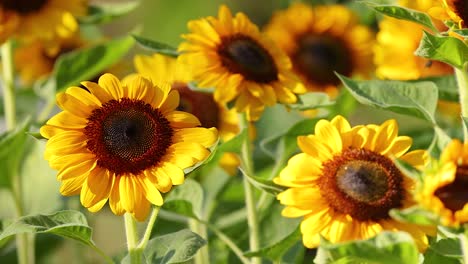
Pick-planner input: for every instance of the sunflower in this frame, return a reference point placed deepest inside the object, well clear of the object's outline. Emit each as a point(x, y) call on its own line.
point(321, 40)
point(43, 19)
point(200, 104)
point(344, 183)
point(444, 187)
point(454, 10)
point(34, 60)
point(231, 55)
point(123, 142)
point(396, 42)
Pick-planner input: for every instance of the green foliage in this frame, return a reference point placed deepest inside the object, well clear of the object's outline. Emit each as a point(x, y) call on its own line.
point(87, 64)
point(157, 47)
point(445, 49)
point(404, 14)
point(186, 199)
point(101, 13)
point(446, 250)
point(415, 215)
point(311, 100)
point(446, 85)
point(262, 184)
point(385, 248)
point(277, 250)
point(69, 224)
point(12, 146)
point(417, 99)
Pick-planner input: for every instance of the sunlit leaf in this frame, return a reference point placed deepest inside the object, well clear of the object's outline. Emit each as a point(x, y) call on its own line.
point(440, 140)
point(446, 85)
point(69, 224)
point(385, 248)
point(174, 247)
point(446, 250)
point(417, 99)
point(186, 199)
point(404, 14)
point(415, 215)
point(86, 64)
point(445, 49)
point(157, 47)
point(99, 13)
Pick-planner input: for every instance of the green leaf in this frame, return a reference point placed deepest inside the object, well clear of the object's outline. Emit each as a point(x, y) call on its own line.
point(12, 146)
point(85, 64)
point(186, 199)
point(157, 47)
point(175, 247)
point(446, 250)
point(415, 215)
point(276, 251)
point(465, 124)
point(404, 14)
point(385, 248)
point(440, 140)
point(462, 32)
point(446, 85)
point(445, 49)
point(265, 185)
point(417, 99)
point(100, 13)
point(235, 144)
point(69, 224)
point(311, 100)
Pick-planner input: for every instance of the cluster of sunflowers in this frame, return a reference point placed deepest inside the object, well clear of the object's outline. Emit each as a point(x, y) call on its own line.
point(182, 134)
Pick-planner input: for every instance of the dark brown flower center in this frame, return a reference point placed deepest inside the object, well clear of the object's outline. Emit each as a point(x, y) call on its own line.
point(242, 54)
point(454, 196)
point(128, 136)
point(363, 184)
point(23, 6)
point(317, 57)
point(461, 9)
point(201, 105)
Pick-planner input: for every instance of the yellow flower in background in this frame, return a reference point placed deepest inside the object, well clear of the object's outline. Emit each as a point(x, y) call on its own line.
point(397, 41)
point(123, 142)
point(231, 55)
point(454, 10)
point(43, 19)
point(320, 40)
point(200, 104)
point(8, 23)
point(444, 188)
point(344, 183)
point(34, 60)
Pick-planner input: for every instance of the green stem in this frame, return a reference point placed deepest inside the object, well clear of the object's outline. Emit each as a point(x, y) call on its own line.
point(132, 239)
point(252, 218)
point(9, 84)
point(464, 246)
point(202, 255)
point(462, 81)
point(149, 228)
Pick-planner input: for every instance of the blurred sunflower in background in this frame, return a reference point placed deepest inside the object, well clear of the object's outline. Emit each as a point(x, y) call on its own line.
point(200, 104)
point(123, 142)
point(34, 60)
point(42, 19)
point(396, 42)
point(345, 182)
point(321, 40)
point(454, 10)
point(444, 186)
point(246, 68)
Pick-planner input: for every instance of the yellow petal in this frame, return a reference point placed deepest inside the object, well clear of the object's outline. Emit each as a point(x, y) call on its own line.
point(98, 91)
point(149, 183)
point(112, 85)
point(171, 102)
point(202, 136)
point(96, 188)
point(74, 105)
point(181, 119)
point(115, 201)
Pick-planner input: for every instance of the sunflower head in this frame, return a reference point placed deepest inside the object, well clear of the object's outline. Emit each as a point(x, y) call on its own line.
point(229, 54)
point(42, 19)
point(123, 142)
point(443, 190)
point(323, 40)
point(345, 182)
